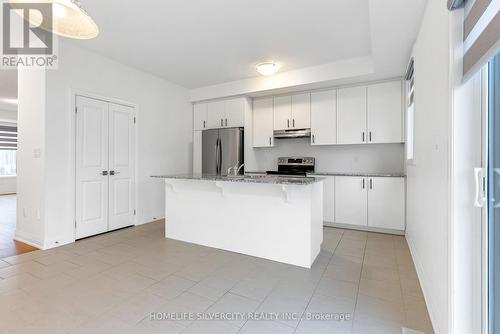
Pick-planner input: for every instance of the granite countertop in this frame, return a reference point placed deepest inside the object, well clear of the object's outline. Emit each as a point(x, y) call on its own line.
point(343, 174)
point(260, 178)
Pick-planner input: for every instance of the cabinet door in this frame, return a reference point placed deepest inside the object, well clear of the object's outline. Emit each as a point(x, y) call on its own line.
point(351, 200)
point(324, 118)
point(216, 114)
point(301, 111)
point(235, 113)
point(385, 113)
point(282, 112)
point(200, 116)
point(328, 198)
point(263, 123)
point(351, 116)
point(386, 202)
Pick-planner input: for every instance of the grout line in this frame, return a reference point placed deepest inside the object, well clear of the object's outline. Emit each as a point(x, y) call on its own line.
point(359, 282)
point(322, 275)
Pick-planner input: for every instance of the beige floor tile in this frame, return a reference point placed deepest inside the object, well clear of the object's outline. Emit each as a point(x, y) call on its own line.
point(379, 273)
point(210, 327)
point(389, 291)
point(231, 303)
point(265, 327)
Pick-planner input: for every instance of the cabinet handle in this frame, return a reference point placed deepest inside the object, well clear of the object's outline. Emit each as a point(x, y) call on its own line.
point(363, 137)
point(104, 173)
point(270, 141)
point(363, 183)
point(221, 122)
point(370, 136)
point(226, 121)
point(203, 124)
point(314, 139)
point(293, 123)
point(287, 123)
point(371, 183)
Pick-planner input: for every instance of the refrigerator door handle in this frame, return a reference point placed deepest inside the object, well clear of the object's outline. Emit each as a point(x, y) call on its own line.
point(220, 157)
point(217, 156)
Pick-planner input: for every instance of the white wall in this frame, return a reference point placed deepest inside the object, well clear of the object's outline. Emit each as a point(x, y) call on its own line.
point(428, 180)
point(8, 115)
point(164, 128)
point(377, 158)
point(30, 157)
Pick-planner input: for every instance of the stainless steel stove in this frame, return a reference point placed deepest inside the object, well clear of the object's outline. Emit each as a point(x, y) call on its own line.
point(294, 166)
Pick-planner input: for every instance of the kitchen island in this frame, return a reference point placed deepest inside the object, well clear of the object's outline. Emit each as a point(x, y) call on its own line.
point(272, 217)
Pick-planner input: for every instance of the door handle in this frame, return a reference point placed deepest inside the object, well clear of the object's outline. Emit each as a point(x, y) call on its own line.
point(370, 135)
point(363, 183)
point(217, 156)
point(371, 183)
point(363, 137)
point(104, 172)
point(480, 195)
point(220, 157)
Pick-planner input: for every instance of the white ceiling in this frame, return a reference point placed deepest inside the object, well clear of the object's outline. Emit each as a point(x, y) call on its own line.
point(197, 43)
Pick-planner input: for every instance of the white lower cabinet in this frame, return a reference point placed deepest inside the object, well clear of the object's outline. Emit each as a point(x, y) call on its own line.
point(328, 198)
point(386, 202)
point(375, 202)
point(351, 200)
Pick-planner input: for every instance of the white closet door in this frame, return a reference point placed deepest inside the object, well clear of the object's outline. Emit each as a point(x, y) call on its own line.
point(121, 166)
point(91, 167)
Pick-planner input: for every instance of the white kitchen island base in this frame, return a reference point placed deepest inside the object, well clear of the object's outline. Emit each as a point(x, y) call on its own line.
point(279, 222)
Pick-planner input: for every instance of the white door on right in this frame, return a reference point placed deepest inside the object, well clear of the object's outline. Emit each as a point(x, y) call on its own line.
point(121, 166)
point(385, 113)
point(91, 167)
point(351, 200)
point(351, 115)
point(386, 202)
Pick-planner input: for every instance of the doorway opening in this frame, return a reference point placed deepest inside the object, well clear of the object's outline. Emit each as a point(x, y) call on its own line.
point(8, 166)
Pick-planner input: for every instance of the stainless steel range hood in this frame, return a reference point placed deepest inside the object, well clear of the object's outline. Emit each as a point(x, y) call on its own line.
point(296, 133)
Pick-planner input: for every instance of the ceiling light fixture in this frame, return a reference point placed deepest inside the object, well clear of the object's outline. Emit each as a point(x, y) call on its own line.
point(267, 68)
point(9, 100)
point(69, 19)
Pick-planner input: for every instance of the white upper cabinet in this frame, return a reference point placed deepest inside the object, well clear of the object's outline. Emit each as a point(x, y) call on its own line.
point(351, 115)
point(200, 116)
point(221, 114)
point(324, 117)
point(216, 114)
point(263, 123)
point(351, 197)
point(235, 113)
point(386, 202)
point(292, 112)
point(282, 112)
point(384, 113)
point(301, 111)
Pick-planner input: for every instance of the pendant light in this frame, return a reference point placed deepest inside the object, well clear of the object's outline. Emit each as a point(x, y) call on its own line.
point(69, 19)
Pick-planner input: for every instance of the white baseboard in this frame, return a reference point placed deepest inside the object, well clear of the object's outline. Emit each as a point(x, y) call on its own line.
point(364, 228)
point(28, 241)
point(422, 279)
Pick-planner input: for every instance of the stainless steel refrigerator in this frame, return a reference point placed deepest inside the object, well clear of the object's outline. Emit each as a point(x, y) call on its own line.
point(222, 149)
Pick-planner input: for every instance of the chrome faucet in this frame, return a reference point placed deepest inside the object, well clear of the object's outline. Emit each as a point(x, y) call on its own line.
point(235, 170)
